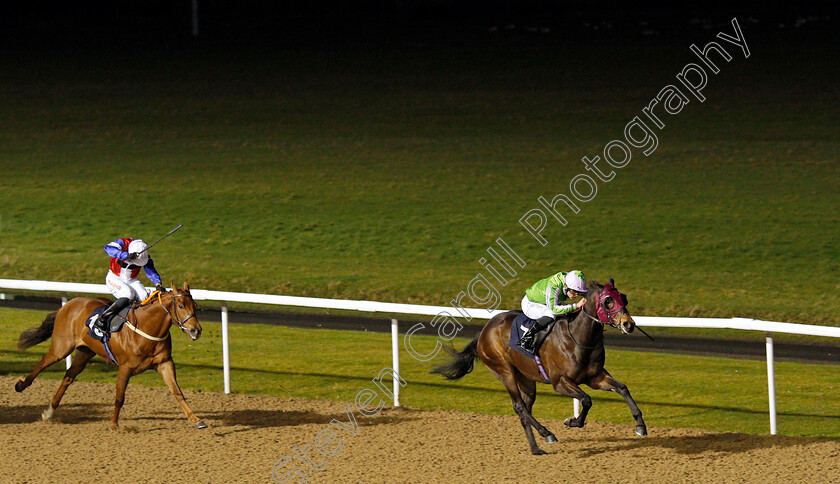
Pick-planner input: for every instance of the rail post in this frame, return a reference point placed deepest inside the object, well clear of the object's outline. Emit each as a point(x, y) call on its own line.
point(771, 383)
point(225, 349)
point(395, 350)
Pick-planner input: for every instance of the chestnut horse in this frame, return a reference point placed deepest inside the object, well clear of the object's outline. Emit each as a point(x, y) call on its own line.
point(143, 343)
point(573, 353)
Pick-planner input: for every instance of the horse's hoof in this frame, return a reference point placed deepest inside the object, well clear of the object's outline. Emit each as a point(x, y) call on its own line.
point(641, 431)
point(572, 422)
point(115, 428)
point(550, 439)
point(200, 424)
point(539, 451)
point(19, 385)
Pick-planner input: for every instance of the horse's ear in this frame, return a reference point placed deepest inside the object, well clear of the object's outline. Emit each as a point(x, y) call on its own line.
point(186, 287)
point(612, 282)
point(173, 287)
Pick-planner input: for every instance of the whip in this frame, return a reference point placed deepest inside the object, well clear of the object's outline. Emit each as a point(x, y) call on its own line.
point(165, 236)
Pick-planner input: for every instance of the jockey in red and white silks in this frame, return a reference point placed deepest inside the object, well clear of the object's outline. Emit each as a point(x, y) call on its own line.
point(127, 257)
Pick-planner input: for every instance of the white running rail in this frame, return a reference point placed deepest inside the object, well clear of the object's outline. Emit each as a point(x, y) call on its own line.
point(768, 327)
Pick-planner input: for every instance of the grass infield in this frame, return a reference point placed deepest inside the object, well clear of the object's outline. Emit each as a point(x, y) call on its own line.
point(385, 173)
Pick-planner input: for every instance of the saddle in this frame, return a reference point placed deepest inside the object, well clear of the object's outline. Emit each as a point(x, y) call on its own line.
point(116, 323)
point(520, 326)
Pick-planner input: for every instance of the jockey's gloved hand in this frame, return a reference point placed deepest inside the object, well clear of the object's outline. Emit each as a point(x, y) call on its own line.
point(159, 287)
point(131, 256)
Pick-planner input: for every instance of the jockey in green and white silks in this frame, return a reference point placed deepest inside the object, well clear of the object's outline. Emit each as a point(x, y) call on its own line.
point(546, 296)
point(544, 300)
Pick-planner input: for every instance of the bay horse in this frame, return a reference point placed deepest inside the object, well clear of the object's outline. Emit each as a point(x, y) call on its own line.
point(572, 354)
point(143, 343)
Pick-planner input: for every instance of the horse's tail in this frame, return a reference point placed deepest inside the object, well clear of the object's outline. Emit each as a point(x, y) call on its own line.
point(33, 336)
point(462, 362)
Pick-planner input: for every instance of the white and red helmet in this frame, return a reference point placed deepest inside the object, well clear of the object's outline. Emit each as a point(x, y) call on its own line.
point(139, 247)
point(576, 281)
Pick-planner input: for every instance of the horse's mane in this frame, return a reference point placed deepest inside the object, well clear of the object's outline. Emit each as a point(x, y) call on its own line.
point(595, 285)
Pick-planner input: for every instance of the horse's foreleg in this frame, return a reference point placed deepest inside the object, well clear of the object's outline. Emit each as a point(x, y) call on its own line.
point(605, 381)
point(167, 371)
point(528, 390)
point(566, 386)
point(123, 375)
point(83, 355)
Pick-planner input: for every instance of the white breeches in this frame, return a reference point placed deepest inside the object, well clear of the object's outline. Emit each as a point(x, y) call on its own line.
point(535, 310)
point(132, 289)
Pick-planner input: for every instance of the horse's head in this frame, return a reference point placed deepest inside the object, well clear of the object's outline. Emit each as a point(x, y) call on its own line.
point(180, 306)
point(610, 306)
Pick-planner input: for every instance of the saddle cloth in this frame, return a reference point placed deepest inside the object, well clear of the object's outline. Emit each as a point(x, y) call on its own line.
point(521, 324)
point(518, 328)
point(115, 325)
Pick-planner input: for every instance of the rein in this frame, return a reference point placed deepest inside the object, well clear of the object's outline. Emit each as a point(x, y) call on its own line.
point(170, 314)
point(599, 308)
point(609, 314)
point(598, 320)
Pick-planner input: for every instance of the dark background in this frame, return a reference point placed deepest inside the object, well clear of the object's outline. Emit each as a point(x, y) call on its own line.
point(375, 22)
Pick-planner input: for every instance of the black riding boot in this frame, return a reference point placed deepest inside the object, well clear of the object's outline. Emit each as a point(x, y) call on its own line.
point(102, 321)
point(527, 341)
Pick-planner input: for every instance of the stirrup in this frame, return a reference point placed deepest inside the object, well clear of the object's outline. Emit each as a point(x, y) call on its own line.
point(527, 344)
point(101, 324)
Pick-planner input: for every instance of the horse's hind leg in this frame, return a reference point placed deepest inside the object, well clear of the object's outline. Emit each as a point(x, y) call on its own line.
point(167, 371)
point(57, 351)
point(528, 390)
point(569, 388)
point(520, 407)
point(83, 355)
point(605, 381)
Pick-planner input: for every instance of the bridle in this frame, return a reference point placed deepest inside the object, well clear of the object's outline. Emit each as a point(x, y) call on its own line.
point(174, 312)
point(605, 316)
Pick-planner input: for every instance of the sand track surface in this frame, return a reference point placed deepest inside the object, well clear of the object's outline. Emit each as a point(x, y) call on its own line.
point(250, 435)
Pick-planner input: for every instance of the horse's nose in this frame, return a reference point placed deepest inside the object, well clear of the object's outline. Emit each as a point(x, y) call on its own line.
point(195, 333)
point(628, 325)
